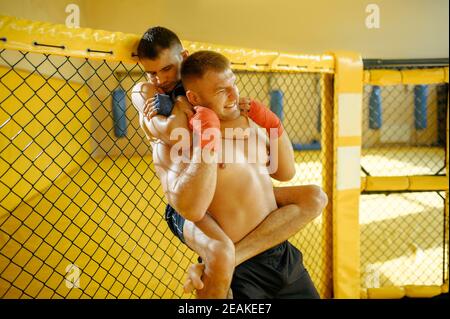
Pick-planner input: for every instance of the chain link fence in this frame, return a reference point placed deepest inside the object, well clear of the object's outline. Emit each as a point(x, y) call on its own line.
point(303, 96)
point(80, 205)
point(404, 235)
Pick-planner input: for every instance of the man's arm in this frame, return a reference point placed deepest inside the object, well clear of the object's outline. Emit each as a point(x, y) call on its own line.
point(154, 126)
point(190, 187)
point(158, 126)
point(299, 205)
point(283, 159)
point(161, 127)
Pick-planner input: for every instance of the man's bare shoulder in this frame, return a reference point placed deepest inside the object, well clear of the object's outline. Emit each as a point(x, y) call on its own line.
point(182, 110)
point(178, 120)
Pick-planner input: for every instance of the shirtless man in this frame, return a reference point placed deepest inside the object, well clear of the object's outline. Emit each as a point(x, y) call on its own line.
point(299, 205)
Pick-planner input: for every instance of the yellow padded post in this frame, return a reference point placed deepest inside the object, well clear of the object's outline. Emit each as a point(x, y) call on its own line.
point(348, 87)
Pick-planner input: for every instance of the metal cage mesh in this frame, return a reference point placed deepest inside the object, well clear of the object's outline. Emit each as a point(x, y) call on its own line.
point(81, 207)
point(404, 235)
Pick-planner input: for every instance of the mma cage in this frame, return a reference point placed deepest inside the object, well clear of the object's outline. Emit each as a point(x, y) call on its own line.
point(81, 209)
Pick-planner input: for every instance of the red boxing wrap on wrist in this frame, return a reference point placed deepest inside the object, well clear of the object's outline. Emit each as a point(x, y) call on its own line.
point(202, 120)
point(264, 117)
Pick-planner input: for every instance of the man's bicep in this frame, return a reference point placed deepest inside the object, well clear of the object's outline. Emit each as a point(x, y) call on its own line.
point(161, 127)
point(284, 171)
point(167, 180)
point(155, 128)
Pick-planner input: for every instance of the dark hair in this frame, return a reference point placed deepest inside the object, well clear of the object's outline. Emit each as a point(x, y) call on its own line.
point(154, 41)
point(197, 64)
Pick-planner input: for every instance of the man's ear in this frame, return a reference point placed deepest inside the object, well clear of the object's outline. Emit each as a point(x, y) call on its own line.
point(184, 54)
point(192, 97)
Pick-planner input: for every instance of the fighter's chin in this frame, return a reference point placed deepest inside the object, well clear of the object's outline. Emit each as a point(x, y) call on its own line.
point(231, 114)
point(168, 87)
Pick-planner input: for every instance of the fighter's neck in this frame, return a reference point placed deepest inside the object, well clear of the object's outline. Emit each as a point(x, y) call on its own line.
point(240, 122)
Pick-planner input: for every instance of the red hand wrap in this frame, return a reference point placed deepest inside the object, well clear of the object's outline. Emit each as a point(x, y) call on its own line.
point(264, 117)
point(207, 119)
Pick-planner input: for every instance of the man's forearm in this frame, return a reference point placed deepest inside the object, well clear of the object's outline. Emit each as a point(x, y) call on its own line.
point(276, 228)
point(284, 158)
point(279, 145)
point(299, 205)
point(195, 187)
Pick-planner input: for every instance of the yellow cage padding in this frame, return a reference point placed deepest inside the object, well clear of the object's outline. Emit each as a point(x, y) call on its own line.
point(342, 74)
point(25, 35)
point(404, 183)
point(395, 77)
point(48, 228)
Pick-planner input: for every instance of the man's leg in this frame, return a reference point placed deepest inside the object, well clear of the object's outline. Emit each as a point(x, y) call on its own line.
point(299, 205)
point(299, 284)
point(216, 249)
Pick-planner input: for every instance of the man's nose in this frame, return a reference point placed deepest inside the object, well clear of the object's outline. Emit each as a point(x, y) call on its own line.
point(157, 80)
point(163, 79)
point(233, 94)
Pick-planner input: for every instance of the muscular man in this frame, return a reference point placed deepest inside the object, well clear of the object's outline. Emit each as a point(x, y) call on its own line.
point(161, 54)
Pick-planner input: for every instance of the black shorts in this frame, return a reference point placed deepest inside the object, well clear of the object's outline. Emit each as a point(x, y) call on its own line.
point(175, 222)
point(276, 273)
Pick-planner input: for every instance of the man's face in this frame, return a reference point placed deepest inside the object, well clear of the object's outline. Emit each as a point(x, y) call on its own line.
point(218, 91)
point(164, 71)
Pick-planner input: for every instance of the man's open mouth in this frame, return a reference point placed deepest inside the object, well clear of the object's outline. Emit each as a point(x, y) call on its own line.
point(231, 106)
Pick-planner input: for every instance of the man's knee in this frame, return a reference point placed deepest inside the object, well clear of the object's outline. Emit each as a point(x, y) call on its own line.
point(219, 268)
point(221, 257)
point(318, 200)
point(312, 200)
point(319, 196)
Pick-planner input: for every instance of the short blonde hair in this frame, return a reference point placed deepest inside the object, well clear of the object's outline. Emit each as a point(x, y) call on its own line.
point(197, 64)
